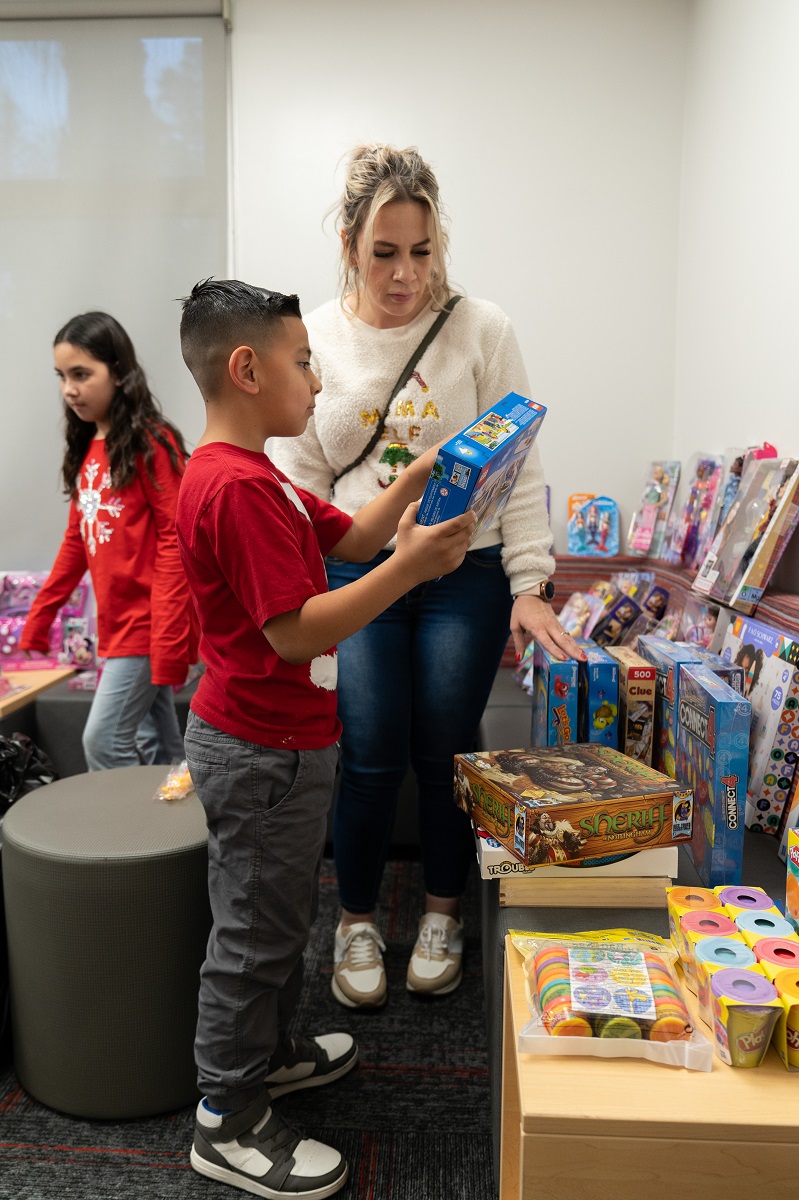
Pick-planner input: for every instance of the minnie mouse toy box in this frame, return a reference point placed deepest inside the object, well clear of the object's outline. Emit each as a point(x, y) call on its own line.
point(478, 468)
point(561, 804)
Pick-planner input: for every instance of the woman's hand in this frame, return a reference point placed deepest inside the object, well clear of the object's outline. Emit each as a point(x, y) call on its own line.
point(532, 617)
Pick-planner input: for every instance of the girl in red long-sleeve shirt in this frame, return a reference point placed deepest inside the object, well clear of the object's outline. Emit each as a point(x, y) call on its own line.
point(122, 466)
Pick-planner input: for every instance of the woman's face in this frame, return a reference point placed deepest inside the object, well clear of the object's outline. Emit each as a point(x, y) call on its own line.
point(87, 385)
point(394, 278)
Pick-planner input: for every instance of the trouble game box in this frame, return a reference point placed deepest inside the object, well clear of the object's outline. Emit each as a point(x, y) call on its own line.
point(770, 662)
point(554, 804)
point(478, 468)
point(554, 720)
point(497, 862)
point(598, 696)
point(712, 759)
point(636, 702)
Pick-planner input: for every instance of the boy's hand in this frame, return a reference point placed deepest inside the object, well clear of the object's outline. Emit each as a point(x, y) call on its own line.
point(427, 551)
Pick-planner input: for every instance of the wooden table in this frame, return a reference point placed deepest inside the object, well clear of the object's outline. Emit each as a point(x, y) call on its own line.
point(626, 1129)
point(31, 684)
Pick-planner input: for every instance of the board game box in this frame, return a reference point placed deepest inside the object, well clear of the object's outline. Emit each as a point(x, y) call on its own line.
point(667, 657)
point(478, 468)
point(712, 760)
point(597, 696)
point(495, 861)
point(554, 721)
point(770, 662)
point(553, 804)
point(636, 703)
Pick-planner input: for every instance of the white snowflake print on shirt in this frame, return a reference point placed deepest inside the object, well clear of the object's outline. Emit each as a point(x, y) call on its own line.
point(93, 530)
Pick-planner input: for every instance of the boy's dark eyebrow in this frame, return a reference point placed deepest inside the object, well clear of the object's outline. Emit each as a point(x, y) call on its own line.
point(382, 242)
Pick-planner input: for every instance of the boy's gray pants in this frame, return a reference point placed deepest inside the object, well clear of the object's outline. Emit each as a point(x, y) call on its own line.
point(266, 812)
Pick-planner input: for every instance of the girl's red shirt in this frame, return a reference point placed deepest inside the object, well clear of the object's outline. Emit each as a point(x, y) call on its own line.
point(126, 538)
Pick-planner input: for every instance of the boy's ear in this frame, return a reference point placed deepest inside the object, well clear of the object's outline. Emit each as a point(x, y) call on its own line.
point(242, 368)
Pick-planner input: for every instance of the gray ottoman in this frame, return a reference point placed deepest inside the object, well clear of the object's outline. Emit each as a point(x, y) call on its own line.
point(107, 919)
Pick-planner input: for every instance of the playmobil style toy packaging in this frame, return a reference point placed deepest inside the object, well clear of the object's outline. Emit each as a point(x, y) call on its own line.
point(552, 804)
point(648, 525)
point(593, 527)
point(770, 662)
point(762, 518)
point(598, 696)
point(636, 703)
point(713, 759)
point(554, 720)
point(496, 861)
point(615, 621)
point(478, 468)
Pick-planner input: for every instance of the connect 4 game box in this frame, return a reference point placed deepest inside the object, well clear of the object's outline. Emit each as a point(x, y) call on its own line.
point(554, 700)
point(712, 759)
point(478, 468)
point(598, 696)
point(770, 662)
point(667, 657)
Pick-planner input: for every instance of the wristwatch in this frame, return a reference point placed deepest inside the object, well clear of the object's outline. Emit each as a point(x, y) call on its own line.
point(546, 591)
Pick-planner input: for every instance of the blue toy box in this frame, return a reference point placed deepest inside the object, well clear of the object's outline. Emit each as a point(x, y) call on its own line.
point(478, 468)
point(713, 760)
point(554, 700)
point(597, 696)
point(667, 658)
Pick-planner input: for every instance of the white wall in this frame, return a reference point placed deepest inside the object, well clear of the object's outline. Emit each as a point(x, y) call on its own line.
point(555, 129)
point(737, 374)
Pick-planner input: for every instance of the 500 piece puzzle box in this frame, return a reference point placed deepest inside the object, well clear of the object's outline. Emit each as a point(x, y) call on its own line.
point(554, 804)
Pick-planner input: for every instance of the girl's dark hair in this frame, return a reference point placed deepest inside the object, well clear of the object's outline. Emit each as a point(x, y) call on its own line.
point(135, 416)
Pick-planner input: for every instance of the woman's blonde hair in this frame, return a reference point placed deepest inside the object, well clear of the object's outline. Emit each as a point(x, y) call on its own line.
point(376, 175)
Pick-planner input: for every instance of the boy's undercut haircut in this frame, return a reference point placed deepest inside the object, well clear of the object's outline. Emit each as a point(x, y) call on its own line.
point(223, 314)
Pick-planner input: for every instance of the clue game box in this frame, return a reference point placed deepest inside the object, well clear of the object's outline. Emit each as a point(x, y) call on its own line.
point(712, 760)
point(636, 702)
point(555, 804)
point(478, 468)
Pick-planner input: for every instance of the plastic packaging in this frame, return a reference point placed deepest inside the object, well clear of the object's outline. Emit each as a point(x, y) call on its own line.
point(608, 995)
point(177, 784)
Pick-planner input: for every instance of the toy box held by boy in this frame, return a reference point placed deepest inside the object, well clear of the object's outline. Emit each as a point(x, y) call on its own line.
point(478, 468)
point(551, 805)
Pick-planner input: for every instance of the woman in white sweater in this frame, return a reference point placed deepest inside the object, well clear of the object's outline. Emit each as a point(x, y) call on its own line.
point(414, 683)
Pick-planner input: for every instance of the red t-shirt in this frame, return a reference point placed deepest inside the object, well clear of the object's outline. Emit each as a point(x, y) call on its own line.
point(253, 548)
point(126, 538)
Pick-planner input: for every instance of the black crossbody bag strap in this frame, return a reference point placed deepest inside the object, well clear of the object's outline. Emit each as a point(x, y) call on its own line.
point(408, 370)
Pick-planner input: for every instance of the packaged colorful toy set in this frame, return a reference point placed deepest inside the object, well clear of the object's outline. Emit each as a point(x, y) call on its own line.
point(688, 529)
point(770, 662)
point(713, 760)
point(636, 703)
point(550, 805)
point(648, 526)
point(478, 468)
point(613, 994)
point(554, 721)
point(741, 957)
point(792, 882)
point(615, 621)
point(758, 525)
point(593, 527)
point(598, 696)
point(17, 593)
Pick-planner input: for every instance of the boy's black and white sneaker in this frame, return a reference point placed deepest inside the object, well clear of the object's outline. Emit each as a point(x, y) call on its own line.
point(258, 1152)
point(310, 1062)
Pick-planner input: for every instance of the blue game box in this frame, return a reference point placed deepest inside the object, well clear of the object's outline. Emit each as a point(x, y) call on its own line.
point(598, 696)
point(478, 468)
point(554, 699)
point(713, 759)
point(667, 658)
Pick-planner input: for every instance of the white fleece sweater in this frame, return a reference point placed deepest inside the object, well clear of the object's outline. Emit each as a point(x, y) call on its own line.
point(473, 362)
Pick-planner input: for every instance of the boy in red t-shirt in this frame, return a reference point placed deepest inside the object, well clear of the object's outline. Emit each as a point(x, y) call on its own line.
point(262, 733)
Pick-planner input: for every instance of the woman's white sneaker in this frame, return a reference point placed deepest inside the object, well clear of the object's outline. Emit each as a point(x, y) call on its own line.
point(359, 977)
point(436, 965)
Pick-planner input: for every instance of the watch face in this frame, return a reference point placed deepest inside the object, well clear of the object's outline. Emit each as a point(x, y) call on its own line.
point(547, 590)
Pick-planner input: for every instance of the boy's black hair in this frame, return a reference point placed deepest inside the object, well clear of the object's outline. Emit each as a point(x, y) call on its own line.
point(222, 314)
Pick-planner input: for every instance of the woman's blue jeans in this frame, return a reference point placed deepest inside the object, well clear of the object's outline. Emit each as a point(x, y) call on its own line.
point(412, 688)
point(132, 720)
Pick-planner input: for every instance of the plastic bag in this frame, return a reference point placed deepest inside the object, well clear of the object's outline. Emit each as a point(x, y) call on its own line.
point(177, 784)
point(606, 996)
point(23, 768)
